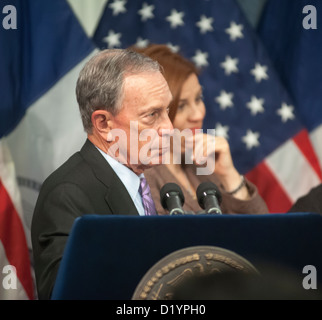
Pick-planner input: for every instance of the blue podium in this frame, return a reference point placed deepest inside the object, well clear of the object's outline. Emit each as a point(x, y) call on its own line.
point(107, 256)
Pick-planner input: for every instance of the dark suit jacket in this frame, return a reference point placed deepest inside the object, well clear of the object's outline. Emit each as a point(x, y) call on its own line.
point(311, 202)
point(84, 184)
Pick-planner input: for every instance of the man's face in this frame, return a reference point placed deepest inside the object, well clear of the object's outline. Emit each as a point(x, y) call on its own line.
point(145, 106)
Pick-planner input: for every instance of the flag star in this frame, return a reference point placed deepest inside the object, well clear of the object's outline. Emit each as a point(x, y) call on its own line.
point(204, 24)
point(259, 72)
point(175, 18)
point(118, 6)
point(225, 100)
point(235, 31)
point(251, 139)
point(230, 65)
point(286, 112)
point(141, 43)
point(173, 47)
point(222, 131)
point(255, 105)
point(146, 12)
point(200, 59)
point(113, 39)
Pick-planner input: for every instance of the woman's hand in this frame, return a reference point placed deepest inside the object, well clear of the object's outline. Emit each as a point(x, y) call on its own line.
point(217, 149)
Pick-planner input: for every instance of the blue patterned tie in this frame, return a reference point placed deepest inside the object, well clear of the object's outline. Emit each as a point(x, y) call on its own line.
point(148, 204)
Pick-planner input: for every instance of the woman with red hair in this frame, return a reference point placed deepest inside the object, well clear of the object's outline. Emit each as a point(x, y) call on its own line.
point(187, 111)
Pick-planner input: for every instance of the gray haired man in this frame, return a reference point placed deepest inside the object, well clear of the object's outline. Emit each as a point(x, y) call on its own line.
point(117, 91)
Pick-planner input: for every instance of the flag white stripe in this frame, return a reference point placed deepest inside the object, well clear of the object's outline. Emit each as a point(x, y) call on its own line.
point(8, 176)
point(282, 163)
point(88, 13)
point(316, 139)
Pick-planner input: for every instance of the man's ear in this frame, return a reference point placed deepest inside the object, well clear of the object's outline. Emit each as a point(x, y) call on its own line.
point(102, 122)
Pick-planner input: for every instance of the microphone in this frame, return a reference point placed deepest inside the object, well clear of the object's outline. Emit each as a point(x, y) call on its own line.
point(172, 198)
point(209, 197)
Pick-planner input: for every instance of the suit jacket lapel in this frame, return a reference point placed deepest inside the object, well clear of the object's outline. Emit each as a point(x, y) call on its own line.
point(117, 196)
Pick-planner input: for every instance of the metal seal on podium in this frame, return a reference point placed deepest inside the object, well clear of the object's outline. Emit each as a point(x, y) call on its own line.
point(193, 273)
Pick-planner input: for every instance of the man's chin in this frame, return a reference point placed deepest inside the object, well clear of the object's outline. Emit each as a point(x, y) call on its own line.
point(154, 158)
point(140, 168)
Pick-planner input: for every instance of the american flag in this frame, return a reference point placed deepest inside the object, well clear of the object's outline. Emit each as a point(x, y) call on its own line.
point(245, 100)
point(296, 54)
point(16, 282)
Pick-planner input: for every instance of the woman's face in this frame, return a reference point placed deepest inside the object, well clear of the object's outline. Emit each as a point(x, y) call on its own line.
point(191, 108)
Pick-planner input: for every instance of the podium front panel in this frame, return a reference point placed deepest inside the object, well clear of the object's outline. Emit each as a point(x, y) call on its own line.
point(107, 256)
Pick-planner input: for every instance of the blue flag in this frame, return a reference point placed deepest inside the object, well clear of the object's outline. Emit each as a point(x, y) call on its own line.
point(292, 34)
point(47, 43)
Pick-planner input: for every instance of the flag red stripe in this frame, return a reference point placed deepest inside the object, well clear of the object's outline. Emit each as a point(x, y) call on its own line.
point(13, 238)
point(303, 142)
point(270, 188)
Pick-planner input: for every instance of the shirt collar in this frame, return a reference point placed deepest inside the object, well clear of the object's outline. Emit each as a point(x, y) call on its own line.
point(130, 179)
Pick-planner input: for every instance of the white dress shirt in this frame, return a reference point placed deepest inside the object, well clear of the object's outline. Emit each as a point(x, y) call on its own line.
point(130, 180)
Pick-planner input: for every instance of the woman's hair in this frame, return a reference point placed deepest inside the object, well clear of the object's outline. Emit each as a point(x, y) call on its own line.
point(175, 68)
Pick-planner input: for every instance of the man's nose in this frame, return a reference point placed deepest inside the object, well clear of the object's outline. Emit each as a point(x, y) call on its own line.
point(166, 126)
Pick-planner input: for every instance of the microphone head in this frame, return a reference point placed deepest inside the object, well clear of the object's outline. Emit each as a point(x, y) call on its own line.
point(207, 188)
point(170, 189)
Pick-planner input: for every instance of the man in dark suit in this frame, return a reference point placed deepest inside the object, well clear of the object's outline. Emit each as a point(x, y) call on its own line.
point(120, 93)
